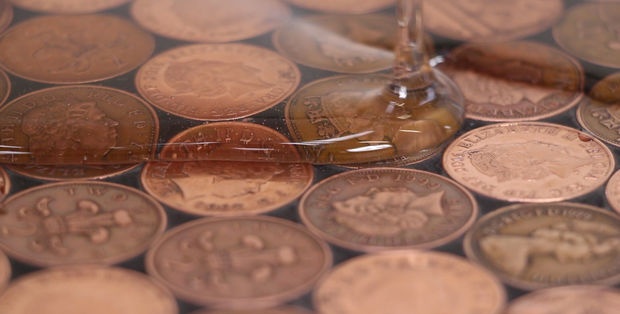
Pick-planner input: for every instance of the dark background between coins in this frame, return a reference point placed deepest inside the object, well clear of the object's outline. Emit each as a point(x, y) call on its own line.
point(171, 125)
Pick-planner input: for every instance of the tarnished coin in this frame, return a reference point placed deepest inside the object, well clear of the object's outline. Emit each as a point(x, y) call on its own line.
point(217, 81)
point(210, 20)
point(343, 6)
point(279, 310)
point(76, 132)
point(66, 49)
point(6, 14)
point(405, 282)
point(528, 162)
point(388, 208)
point(68, 6)
point(5, 271)
point(590, 31)
point(534, 246)
point(86, 289)
point(5, 87)
point(578, 299)
point(515, 81)
point(490, 20)
point(599, 113)
point(219, 187)
point(612, 192)
point(79, 223)
point(239, 263)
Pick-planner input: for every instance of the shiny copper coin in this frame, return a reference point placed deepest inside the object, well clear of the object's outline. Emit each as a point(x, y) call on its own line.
point(217, 81)
point(5, 87)
point(226, 20)
point(590, 31)
point(533, 246)
point(490, 20)
point(343, 6)
point(612, 191)
point(515, 81)
point(74, 49)
point(76, 132)
point(599, 113)
point(405, 282)
point(279, 310)
point(68, 6)
point(5, 271)
point(79, 223)
point(6, 14)
point(528, 162)
point(239, 263)
point(388, 208)
point(579, 299)
point(86, 289)
point(225, 187)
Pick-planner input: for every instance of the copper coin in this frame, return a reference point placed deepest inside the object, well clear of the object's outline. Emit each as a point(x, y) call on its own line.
point(227, 188)
point(612, 191)
point(74, 49)
point(388, 208)
point(68, 6)
point(239, 263)
point(405, 282)
point(79, 222)
point(599, 113)
point(76, 132)
point(515, 81)
point(5, 87)
point(279, 310)
point(579, 299)
point(86, 289)
point(5, 184)
point(528, 162)
point(6, 14)
point(343, 6)
point(533, 246)
point(5, 271)
point(590, 31)
point(217, 81)
point(226, 20)
point(490, 20)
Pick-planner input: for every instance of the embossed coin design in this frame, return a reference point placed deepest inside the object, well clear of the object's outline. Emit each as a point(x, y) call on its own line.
point(239, 263)
point(68, 49)
point(405, 282)
point(68, 6)
point(79, 222)
point(387, 208)
point(5, 271)
point(217, 81)
point(578, 299)
point(343, 6)
point(528, 162)
point(612, 192)
point(533, 246)
point(279, 310)
point(591, 31)
point(77, 132)
point(515, 81)
point(86, 289)
point(6, 14)
point(214, 186)
point(599, 113)
point(227, 20)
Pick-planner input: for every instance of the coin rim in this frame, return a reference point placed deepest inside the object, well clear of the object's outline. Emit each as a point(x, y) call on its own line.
point(351, 10)
point(552, 293)
point(87, 10)
point(585, 103)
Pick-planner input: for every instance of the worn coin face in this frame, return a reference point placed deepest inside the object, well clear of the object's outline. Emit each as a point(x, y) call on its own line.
point(599, 113)
point(227, 188)
point(404, 282)
point(66, 49)
point(86, 289)
point(79, 222)
point(590, 31)
point(490, 20)
point(226, 20)
point(279, 310)
point(6, 14)
point(343, 6)
point(515, 81)
point(77, 132)
point(612, 192)
point(68, 6)
point(217, 81)
point(5, 271)
point(533, 246)
point(239, 263)
point(578, 299)
point(528, 162)
point(388, 208)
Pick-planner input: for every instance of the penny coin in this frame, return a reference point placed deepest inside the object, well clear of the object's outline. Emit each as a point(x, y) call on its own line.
point(515, 81)
point(6, 14)
point(579, 299)
point(533, 246)
point(225, 187)
point(5, 184)
point(68, 6)
point(239, 263)
point(388, 208)
point(217, 81)
point(279, 310)
point(86, 289)
point(612, 192)
point(5, 271)
point(67, 49)
point(5, 87)
point(490, 20)
point(76, 132)
point(590, 31)
point(226, 20)
point(79, 222)
point(343, 6)
point(528, 162)
point(599, 113)
point(411, 281)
